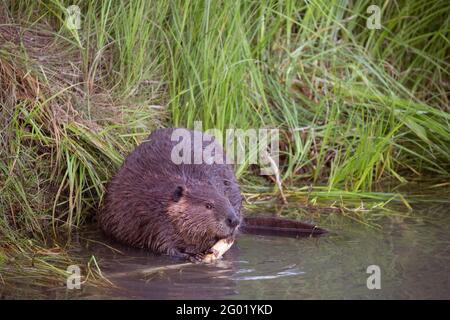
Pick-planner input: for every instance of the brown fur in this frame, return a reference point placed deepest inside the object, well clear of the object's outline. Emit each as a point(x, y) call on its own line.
point(155, 204)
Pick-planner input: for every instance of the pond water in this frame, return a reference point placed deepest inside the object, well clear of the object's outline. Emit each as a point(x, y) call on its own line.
point(411, 250)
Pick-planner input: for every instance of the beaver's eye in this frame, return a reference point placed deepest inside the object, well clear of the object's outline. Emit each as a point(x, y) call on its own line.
point(209, 206)
point(226, 182)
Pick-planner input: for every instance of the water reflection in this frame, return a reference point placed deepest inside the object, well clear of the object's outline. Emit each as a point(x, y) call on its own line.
point(413, 254)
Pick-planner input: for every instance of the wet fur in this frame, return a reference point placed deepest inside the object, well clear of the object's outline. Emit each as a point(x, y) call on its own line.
point(155, 204)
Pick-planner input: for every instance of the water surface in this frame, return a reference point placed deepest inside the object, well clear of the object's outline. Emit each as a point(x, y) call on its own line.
point(411, 250)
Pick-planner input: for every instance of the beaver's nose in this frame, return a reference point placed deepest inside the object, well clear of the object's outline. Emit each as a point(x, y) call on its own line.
point(233, 221)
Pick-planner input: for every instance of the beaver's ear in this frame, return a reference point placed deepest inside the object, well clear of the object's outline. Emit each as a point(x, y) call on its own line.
point(178, 193)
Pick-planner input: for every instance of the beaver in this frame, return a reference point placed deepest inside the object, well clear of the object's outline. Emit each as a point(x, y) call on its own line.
point(177, 209)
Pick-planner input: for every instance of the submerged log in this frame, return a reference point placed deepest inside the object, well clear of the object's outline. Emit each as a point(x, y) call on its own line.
point(217, 251)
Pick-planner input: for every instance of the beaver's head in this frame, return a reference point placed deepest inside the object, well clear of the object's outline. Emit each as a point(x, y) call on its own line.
point(200, 213)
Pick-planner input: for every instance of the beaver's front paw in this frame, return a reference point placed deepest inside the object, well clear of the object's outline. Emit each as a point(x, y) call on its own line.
point(200, 257)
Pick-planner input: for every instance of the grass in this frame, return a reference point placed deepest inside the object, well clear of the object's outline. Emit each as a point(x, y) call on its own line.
point(356, 107)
